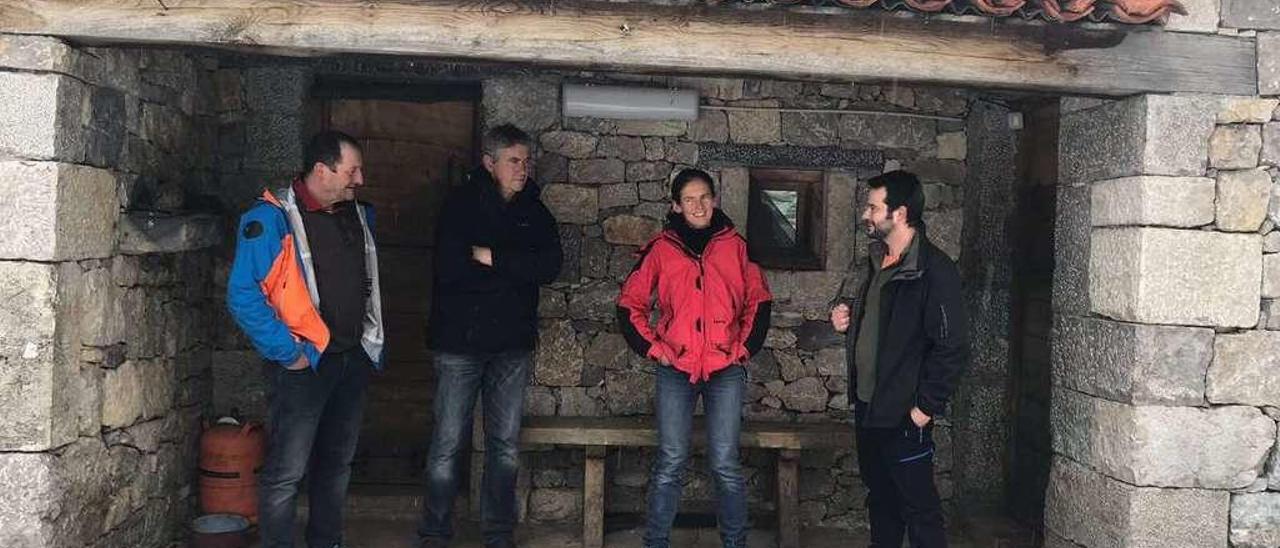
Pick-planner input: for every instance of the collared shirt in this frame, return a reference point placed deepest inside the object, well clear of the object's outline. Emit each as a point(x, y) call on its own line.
point(866, 349)
point(336, 239)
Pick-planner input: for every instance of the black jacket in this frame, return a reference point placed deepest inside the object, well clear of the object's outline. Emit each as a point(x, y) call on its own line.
point(924, 337)
point(477, 308)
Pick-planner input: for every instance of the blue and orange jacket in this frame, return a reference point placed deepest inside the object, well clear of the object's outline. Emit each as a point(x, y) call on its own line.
point(271, 291)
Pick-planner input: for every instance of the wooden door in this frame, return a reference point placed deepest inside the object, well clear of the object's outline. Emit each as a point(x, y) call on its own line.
point(413, 152)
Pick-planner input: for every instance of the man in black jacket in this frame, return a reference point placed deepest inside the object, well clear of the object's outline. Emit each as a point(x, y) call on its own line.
point(495, 244)
point(906, 341)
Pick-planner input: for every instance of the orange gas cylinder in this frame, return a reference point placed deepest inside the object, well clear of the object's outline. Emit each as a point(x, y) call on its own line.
point(230, 458)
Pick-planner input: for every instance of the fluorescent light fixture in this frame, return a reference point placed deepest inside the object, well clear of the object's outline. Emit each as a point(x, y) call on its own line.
point(629, 103)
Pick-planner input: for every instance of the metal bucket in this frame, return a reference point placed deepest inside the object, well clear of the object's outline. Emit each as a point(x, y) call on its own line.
point(220, 531)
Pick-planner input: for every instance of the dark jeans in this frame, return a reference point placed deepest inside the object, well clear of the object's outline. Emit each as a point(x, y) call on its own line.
point(897, 467)
point(501, 379)
point(315, 417)
point(722, 396)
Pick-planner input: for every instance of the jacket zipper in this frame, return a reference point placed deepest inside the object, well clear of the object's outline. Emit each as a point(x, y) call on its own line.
point(945, 326)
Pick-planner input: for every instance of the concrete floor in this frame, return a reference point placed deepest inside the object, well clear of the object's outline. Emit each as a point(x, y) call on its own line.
point(399, 533)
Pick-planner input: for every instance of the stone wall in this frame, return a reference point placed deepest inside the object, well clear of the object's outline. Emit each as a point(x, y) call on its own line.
point(1165, 401)
point(1165, 387)
point(105, 315)
point(606, 182)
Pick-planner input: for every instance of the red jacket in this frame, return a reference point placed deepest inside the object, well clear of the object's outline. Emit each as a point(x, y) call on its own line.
point(713, 308)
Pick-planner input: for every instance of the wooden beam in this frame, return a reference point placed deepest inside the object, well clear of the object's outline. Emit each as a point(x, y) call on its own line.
point(637, 36)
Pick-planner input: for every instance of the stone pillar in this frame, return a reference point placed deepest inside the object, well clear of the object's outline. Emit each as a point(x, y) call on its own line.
point(981, 422)
point(101, 364)
point(1161, 376)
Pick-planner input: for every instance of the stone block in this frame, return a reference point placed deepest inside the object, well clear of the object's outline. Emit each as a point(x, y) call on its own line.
point(779, 338)
point(1201, 17)
point(806, 395)
point(1090, 509)
point(735, 192)
point(609, 351)
point(539, 401)
point(629, 392)
point(531, 104)
point(239, 383)
point(597, 172)
point(1270, 144)
point(143, 233)
point(551, 168)
point(952, 146)
point(275, 141)
point(655, 148)
point(558, 361)
point(572, 204)
point(651, 128)
point(1142, 135)
point(724, 89)
point(38, 121)
point(1215, 448)
point(1244, 369)
point(1255, 520)
point(1152, 201)
point(1250, 14)
point(711, 126)
point(1271, 276)
point(628, 149)
point(1235, 146)
point(1132, 363)
point(755, 127)
point(630, 230)
point(596, 301)
point(1158, 275)
point(122, 395)
point(1269, 63)
point(570, 144)
point(945, 229)
point(29, 352)
point(841, 218)
point(552, 304)
point(808, 129)
point(624, 195)
point(1246, 110)
point(1243, 198)
point(1072, 239)
point(682, 153)
point(36, 54)
point(892, 132)
point(648, 171)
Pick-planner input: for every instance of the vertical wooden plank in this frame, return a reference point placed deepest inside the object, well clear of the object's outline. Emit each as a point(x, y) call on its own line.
point(593, 497)
point(788, 498)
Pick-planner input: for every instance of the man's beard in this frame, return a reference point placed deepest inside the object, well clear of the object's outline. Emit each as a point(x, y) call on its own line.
point(878, 232)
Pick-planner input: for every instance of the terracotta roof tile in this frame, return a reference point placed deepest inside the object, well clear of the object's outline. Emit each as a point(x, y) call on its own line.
point(1133, 12)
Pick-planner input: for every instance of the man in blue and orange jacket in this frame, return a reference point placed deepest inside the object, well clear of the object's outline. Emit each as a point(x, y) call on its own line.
point(304, 288)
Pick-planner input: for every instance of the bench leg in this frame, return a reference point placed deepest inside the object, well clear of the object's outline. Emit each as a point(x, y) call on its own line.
point(593, 498)
point(788, 498)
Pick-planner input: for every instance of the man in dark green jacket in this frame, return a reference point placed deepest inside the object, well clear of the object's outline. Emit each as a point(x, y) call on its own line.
point(906, 343)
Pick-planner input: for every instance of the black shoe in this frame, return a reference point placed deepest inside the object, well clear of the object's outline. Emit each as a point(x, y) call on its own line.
point(433, 542)
point(505, 543)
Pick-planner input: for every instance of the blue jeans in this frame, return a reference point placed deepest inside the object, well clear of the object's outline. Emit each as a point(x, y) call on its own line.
point(501, 379)
point(722, 397)
point(315, 417)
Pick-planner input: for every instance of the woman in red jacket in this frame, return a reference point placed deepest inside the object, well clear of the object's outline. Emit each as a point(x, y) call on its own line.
point(713, 306)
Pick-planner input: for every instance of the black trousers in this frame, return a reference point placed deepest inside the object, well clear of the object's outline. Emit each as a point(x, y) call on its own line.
point(896, 465)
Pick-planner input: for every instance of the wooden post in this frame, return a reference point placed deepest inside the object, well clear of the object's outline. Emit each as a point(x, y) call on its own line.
point(593, 497)
point(788, 498)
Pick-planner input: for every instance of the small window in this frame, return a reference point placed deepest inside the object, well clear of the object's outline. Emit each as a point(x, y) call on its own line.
point(785, 224)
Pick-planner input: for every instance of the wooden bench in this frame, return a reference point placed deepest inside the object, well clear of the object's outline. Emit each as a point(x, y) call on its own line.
point(596, 434)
